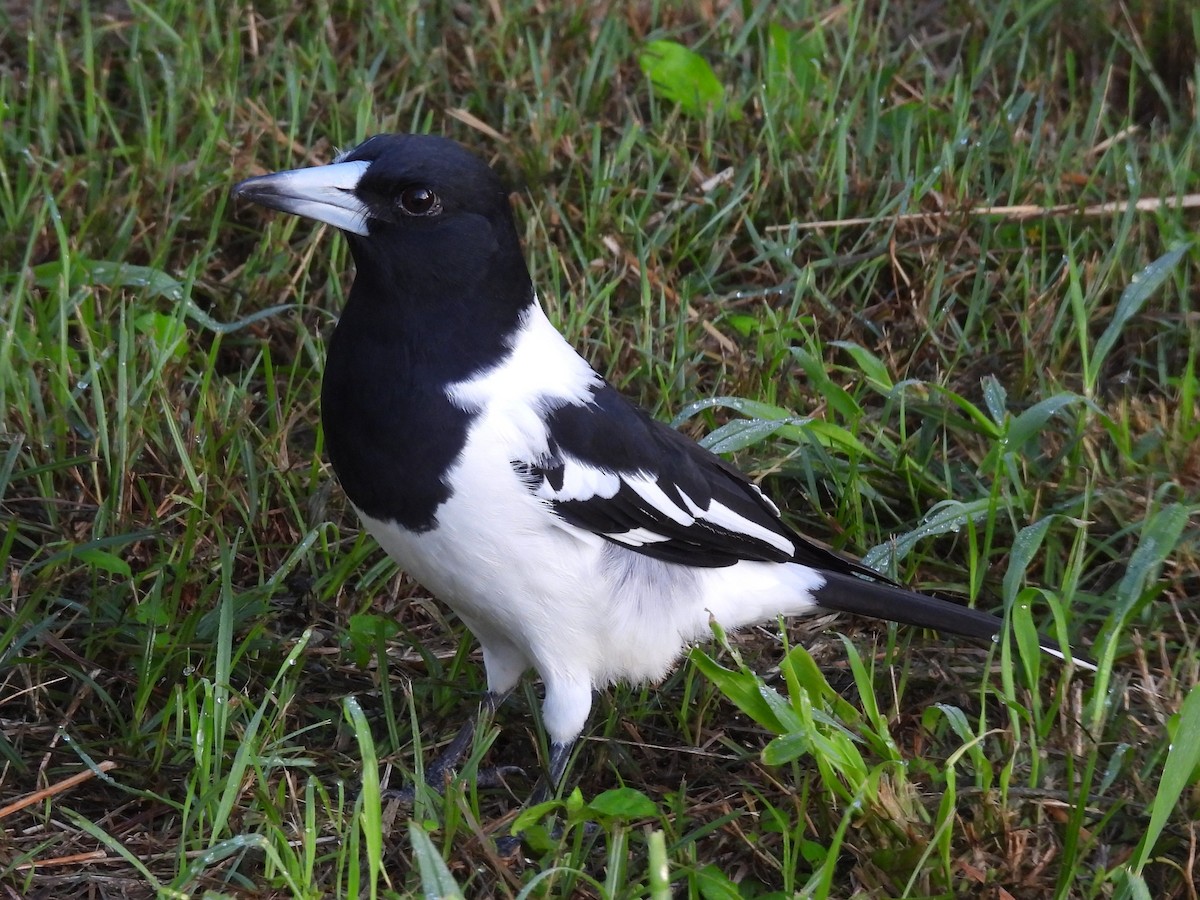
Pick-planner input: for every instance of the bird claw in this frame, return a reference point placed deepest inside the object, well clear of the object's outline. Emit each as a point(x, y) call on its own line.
point(496, 776)
point(437, 778)
point(509, 845)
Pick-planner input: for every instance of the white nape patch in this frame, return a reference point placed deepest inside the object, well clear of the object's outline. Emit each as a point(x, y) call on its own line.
point(323, 193)
point(540, 373)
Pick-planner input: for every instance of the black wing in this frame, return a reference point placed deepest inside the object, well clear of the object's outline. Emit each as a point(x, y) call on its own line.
point(614, 471)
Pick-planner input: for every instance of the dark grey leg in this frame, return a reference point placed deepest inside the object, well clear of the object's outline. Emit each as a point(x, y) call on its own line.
point(448, 760)
point(547, 787)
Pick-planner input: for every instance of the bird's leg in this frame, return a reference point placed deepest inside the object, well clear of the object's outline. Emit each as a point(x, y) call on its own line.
point(445, 763)
point(564, 712)
point(547, 785)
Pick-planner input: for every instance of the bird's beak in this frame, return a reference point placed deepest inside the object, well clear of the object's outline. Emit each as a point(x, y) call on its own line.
point(324, 193)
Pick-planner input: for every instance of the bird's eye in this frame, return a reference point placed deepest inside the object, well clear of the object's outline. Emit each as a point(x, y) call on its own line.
point(420, 201)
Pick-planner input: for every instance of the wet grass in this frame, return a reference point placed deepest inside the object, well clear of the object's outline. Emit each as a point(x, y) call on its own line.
point(994, 404)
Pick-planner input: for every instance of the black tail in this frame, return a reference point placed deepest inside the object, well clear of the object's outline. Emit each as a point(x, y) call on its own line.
point(849, 593)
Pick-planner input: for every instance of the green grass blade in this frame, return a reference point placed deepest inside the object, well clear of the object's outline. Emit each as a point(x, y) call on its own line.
point(1179, 771)
point(436, 881)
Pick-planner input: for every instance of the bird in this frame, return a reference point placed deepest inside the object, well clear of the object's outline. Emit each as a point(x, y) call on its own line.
point(572, 533)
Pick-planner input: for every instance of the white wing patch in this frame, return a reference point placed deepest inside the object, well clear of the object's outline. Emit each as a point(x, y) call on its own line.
point(765, 499)
point(723, 517)
point(637, 537)
point(646, 488)
point(582, 483)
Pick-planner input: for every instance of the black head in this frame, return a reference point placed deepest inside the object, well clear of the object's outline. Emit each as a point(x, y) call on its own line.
point(424, 215)
point(441, 288)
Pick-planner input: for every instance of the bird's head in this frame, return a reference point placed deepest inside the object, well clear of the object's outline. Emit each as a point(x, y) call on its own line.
point(422, 213)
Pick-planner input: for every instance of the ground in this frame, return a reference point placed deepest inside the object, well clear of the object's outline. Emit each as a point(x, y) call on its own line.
point(928, 272)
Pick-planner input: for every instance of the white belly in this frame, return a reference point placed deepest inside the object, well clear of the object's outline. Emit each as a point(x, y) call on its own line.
point(539, 593)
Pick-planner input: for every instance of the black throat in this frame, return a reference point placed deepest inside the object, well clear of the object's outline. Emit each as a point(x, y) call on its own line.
point(421, 316)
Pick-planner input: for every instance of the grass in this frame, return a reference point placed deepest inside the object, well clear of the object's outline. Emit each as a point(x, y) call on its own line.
point(998, 408)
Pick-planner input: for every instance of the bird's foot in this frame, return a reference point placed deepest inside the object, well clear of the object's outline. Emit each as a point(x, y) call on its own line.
point(439, 772)
point(510, 844)
point(544, 790)
point(437, 780)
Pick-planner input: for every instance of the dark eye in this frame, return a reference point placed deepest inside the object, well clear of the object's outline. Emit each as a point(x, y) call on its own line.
point(420, 201)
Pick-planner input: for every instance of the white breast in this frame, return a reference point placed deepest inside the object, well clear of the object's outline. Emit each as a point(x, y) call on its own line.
point(538, 592)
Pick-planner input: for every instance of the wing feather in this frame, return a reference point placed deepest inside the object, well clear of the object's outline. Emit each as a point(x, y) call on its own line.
point(612, 470)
